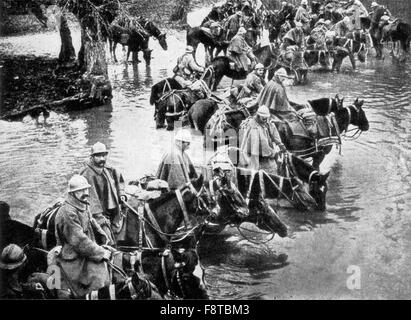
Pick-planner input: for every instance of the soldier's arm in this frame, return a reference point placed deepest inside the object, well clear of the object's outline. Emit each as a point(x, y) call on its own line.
point(194, 66)
point(82, 244)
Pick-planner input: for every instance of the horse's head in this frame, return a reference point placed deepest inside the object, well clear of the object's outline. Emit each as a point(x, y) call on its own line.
point(184, 282)
point(265, 218)
point(318, 189)
point(162, 41)
point(359, 118)
point(339, 103)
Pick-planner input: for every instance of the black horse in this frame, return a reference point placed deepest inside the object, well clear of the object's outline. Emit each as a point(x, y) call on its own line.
point(271, 186)
point(201, 112)
point(353, 43)
point(135, 39)
point(173, 271)
point(198, 35)
point(309, 147)
point(399, 32)
point(175, 104)
point(267, 55)
point(376, 32)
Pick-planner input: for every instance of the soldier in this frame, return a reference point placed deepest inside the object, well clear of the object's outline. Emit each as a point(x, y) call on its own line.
point(106, 192)
point(186, 65)
point(81, 260)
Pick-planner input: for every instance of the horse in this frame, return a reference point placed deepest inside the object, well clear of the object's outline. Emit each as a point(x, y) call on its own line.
point(253, 25)
point(264, 185)
point(398, 31)
point(234, 209)
point(171, 270)
point(376, 32)
point(324, 106)
point(353, 43)
point(198, 35)
point(154, 31)
point(132, 286)
point(14, 231)
point(160, 89)
point(309, 147)
point(267, 55)
point(201, 112)
point(174, 104)
point(135, 39)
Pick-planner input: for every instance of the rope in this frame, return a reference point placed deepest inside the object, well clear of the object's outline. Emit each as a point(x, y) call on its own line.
point(253, 241)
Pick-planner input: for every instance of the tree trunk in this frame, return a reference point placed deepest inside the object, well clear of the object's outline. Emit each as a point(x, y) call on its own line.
point(67, 53)
point(96, 74)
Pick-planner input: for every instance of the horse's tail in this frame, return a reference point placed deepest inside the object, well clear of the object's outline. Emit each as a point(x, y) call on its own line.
point(153, 94)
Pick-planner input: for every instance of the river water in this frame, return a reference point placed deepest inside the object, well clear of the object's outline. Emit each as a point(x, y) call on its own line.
point(367, 224)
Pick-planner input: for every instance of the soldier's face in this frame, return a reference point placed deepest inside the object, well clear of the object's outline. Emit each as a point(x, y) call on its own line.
point(260, 72)
point(83, 195)
point(100, 159)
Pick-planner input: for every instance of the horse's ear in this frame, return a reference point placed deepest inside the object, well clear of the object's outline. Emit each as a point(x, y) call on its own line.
point(361, 103)
point(356, 101)
point(324, 176)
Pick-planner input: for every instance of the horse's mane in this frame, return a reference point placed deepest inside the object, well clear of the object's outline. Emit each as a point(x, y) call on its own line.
point(157, 202)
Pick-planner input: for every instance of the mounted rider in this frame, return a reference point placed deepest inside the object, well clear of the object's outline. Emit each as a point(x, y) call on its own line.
point(252, 86)
point(342, 27)
point(355, 10)
point(12, 260)
point(80, 259)
point(176, 166)
point(292, 48)
point(261, 142)
point(303, 16)
point(186, 66)
point(274, 95)
point(239, 51)
point(106, 192)
point(233, 24)
point(318, 34)
point(330, 14)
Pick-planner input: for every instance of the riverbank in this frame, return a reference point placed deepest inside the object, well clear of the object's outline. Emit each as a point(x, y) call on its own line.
point(29, 83)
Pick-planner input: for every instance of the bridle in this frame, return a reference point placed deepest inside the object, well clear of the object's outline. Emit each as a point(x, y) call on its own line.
point(358, 131)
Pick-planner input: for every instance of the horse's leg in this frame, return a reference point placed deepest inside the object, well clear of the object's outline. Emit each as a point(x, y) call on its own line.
point(114, 51)
point(352, 59)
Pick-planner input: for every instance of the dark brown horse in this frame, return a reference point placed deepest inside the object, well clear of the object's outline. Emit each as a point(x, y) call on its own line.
point(266, 55)
point(399, 32)
point(309, 147)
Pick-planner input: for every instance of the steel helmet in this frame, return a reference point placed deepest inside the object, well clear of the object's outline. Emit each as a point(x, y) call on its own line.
point(321, 21)
point(239, 13)
point(221, 162)
point(189, 49)
point(263, 111)
point(98, 148)
point(183, 135)
point(298, 24)
point(385, 18)
point(374, 4)
point(346, 19)
point(304, 2)
point(77, 182)
point(259, 66)
point(241, 31)
point(12, 257)
point(281, 73)
point(329, 6)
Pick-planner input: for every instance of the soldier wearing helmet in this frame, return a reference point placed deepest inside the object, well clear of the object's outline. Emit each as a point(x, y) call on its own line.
point(261, 142)
point(106, 191)
point(80, 258)
point(253, 84)
point(302, 15)
point(11, 261)
point(240, 52)
point(185, 67)
point(176, 166)
point(274, 95)
point(233, 24)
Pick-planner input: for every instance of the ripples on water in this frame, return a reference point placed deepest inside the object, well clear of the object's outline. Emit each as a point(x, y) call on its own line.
point(367, 222)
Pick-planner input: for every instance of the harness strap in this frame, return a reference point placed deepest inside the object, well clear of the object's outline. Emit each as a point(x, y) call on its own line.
point(133, 293)
point(44, 238)
point(163, 268)
point(262, 186)
point(93, 295)
point(330, 102)
point(183, 207)
point(112, 292)
point(311, 175)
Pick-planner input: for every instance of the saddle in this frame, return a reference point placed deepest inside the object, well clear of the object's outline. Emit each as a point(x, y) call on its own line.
point(148, 191)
